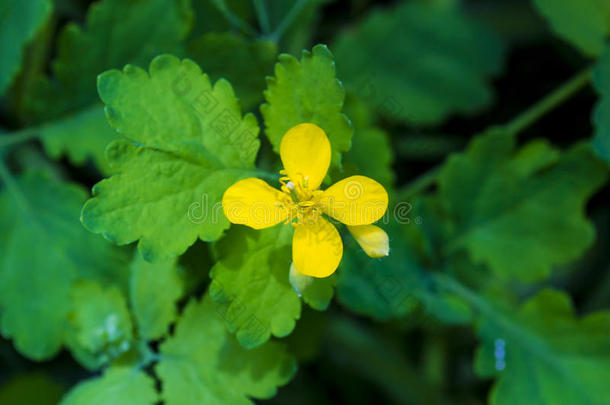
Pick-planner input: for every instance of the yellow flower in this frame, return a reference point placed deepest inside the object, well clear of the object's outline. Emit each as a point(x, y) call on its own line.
point(316, 244)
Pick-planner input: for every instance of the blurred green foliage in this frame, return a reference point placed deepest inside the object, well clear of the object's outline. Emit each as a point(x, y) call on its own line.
point(495, 289)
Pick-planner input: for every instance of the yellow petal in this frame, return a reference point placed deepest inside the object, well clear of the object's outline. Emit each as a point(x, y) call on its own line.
point(316, 248)
point(254, 203)
point(372, 239)
point(305, 153)
point(356, 200)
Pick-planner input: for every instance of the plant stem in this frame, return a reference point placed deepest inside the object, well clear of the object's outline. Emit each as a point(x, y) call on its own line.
point(288, 19)
point(548, 103)
point(18, 136)
point(510, 328)
point(233, 18)
point(514, 127)
point(419, 184)
point(261, 14)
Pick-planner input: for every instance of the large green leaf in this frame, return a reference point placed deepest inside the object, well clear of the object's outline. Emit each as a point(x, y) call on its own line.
point(601, 115)
point(80, 136)
point(420, 62)
point(43, 250)
point(100, 324)
point(250, 283)
point(20, 21)
point(393, 286)
point(307, 91)
point(584, 23)
point(243, 62)
point(118, 386)
point(115, 33)
point(154, 290)
point(545, 354)
point(189, 143)
point(380, 288)
point(203, 363)
point(520, 211)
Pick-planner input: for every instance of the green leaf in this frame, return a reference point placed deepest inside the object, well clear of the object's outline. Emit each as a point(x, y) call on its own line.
point(43, 250)
point(115, 33)
point(243, 62)
point(583, 23)
point(520, 211)
point(420, 62)
point(396, 285)
point(250, 283)
point(118, 386)
point(20, 22)
point(195, 265)
point(189, 143)
point(80, 136)
point(601, 115)
point(100, 324)
point(371, 153)
point(320, 293)
point(307, 91)
point(545, 353)
point(381, 288)
point(154, 290)
point(203, 363)
point(28, 389)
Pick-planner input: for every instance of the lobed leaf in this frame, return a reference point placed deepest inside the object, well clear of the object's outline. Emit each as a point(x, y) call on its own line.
point(81, 136)
point(188, 144)
point(380, 288)
point(203, 363)
point(307, 91)
point(402, 283)
point(117, 386)
point(20, 22)
point(43, 251)
point(545, 353)
point(100, 324)
point(243, 62)
point(420, 62)
point(115, 33)
point(155, 289)
point(521, 212)
point(583, 23)
point(250, 284)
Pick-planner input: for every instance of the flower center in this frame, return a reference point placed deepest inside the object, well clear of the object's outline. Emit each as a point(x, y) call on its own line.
point(302, 202)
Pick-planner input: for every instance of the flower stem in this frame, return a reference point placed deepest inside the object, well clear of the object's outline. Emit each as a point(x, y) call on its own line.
point(261, 14)
point(548, 103)
point(514, 127)
point(288, 19)
point(233, 18)
point(419, 184)
point(18, 136)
